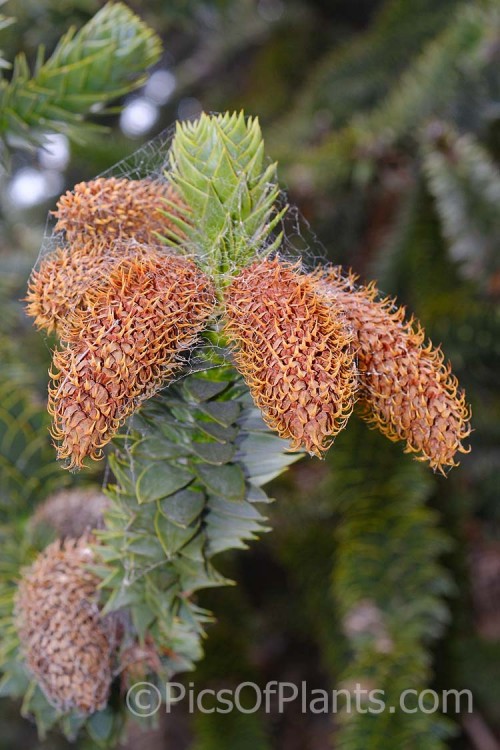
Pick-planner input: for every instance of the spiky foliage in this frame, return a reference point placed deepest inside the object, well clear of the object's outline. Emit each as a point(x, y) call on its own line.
point(124, 344)
point(466, 186)
point(294, 352)
point(102, 61)
point(352, 77)
point(71, 512)
point(373, 619)
point(217, 166)
point(66, 645)
point(188, 474)
point(113, 208)
point(431, 86)
point(382, 517)
point(27, 466)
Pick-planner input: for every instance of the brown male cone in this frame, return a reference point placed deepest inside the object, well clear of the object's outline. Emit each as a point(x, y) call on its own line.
point(66, 644)
point(59, 285)
point(407, 391)
point(123, 345)
point(115, 208)
point(294, 352)
point(103, 220)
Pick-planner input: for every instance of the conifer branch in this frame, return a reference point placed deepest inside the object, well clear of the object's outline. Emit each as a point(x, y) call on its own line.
point(102, 61)
point(389, 589)
point(428, 88)
point(353, 77)
point(189, 475)
point(465, 183)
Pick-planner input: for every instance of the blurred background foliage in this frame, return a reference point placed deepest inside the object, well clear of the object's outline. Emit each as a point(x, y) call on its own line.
point(385, 118)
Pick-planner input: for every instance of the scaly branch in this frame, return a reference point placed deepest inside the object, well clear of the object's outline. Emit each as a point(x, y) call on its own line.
point(102, 61)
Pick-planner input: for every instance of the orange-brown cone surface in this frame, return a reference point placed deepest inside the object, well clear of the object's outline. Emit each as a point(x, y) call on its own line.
point(294, 352)
point(58, 286)
point(124, 344)
point(407, 391)
point(116, 208)
point(66, 644)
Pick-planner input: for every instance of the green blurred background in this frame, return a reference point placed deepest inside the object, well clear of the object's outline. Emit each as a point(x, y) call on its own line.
point(385, 120)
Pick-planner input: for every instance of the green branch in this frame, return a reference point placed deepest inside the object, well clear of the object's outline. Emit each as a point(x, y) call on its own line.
point(389, 587)
point(189, 474)
point(104, 60)
point(465, 183)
